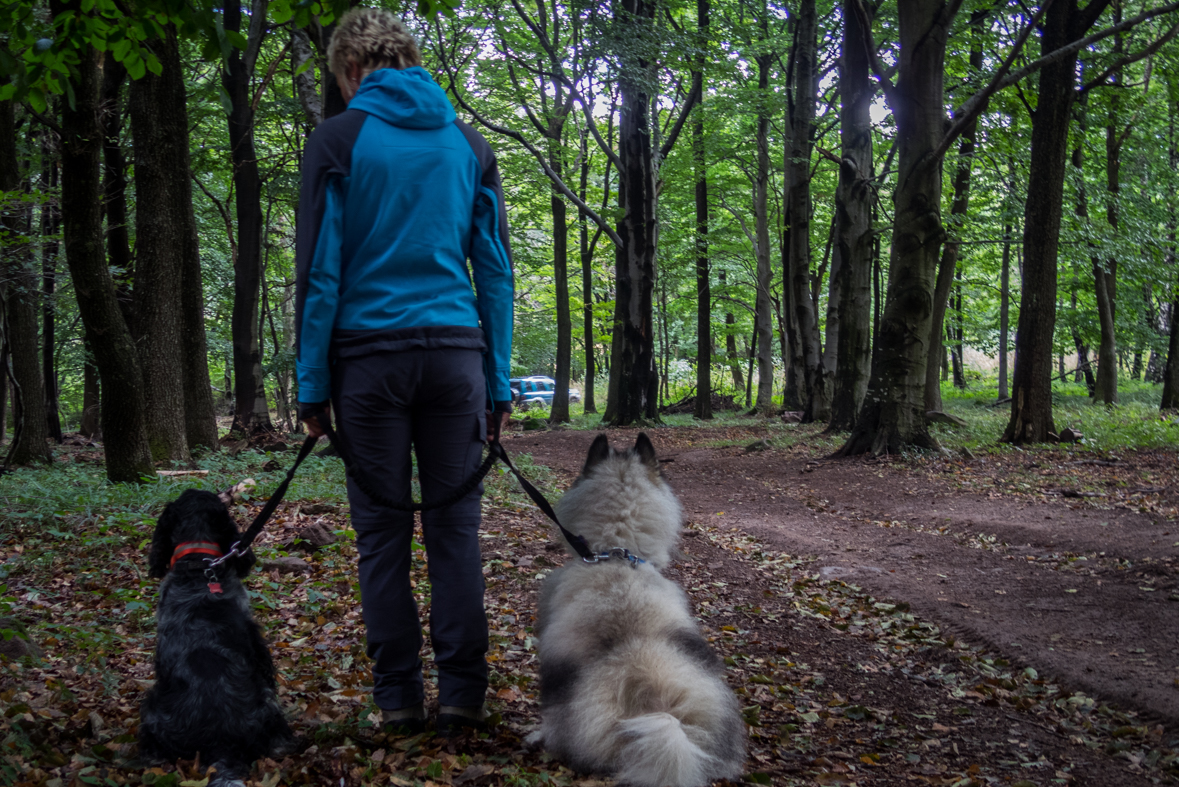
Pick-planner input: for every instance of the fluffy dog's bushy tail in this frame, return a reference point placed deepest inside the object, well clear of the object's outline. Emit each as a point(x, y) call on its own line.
point(659, 752)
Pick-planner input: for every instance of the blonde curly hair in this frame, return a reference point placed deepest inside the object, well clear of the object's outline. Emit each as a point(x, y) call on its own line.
point(372, 38)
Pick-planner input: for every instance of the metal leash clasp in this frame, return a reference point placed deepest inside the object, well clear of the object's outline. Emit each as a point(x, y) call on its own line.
point(233, 552)
point(617, 553)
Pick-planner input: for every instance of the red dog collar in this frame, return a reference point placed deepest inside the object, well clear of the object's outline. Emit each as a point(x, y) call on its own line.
point(194, 548)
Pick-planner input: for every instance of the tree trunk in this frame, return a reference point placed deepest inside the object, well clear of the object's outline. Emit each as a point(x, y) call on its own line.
point(847, 355)
point(1170, 399)
point(128, 456)
point(798, 212)
point(893, 414)
point(763, 318)
point(559, 413)
point(22, 303)
point(958, 332)
point(731, 341)
point(161, 171)
point(50, 226)
point(252, 411)
point(89, 424)
point(1004, 309)
point(114, 186)
point(3, 374)
point(587, 281)
point(950, 252)
point(702, 408)
point(305, 87)
point(632, 371)
point(1031, 390)
point(1105, 275)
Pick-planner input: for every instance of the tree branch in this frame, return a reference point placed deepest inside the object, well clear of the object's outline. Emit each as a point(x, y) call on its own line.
point(741, 221)
point(1099, 81)
point(693, 99)
point(883, 75)
point(1081, 43)
point(516, 135)
point(973, 106)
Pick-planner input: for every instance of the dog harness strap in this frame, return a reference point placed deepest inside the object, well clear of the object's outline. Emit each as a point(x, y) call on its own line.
point(194, 548)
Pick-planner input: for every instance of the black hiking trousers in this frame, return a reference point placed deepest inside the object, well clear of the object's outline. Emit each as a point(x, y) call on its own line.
point(432, 400)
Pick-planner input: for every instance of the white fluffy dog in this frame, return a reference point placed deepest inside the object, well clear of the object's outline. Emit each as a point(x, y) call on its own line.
point(628, 686)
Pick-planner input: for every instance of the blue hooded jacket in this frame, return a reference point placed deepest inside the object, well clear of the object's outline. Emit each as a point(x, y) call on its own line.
point(397, 195)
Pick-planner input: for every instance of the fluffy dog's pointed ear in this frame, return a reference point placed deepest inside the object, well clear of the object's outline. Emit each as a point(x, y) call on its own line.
point(161, 544)
point(645, 451)
point(599, 452)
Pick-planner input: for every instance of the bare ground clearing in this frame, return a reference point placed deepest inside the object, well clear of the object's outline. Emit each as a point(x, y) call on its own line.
point(1082, 589)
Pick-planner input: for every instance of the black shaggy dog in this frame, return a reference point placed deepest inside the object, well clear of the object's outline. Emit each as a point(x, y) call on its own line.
point(215, 690)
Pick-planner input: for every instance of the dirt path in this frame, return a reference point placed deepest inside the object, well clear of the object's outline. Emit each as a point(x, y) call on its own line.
point(1082, 589)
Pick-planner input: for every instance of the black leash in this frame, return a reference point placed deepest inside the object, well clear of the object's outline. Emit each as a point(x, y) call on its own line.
point(247, 538)
point(495, 452)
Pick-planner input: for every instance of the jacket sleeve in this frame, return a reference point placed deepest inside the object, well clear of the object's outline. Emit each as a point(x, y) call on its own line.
point(491, 264)
point(320, 301)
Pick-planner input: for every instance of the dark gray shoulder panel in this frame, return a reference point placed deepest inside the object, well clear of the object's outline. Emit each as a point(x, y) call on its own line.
point(328, 154)
point(490, 169)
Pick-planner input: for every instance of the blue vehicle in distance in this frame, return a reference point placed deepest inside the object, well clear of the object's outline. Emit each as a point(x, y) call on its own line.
point(537, 389)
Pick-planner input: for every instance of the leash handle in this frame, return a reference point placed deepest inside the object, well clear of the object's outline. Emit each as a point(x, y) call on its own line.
point(362, 481)
point(495, 451)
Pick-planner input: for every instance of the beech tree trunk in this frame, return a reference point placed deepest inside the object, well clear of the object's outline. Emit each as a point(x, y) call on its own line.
point(798, 213)
point(89, 425)
point(1004, 309)
point(50, 226)
point(587, 280)
point(1031, 390)
point(22, 302)
point(763, 309)
point(893, 414)
point(114, 186)
point(847, 354)
point(702, 408)
point(305, 87)
point(732, 359)
point(1170, 398)
point(1105, 276)
point(559, 413)
point(128, 456)
point(160, 172)
point(252, 411)
point(1171, 372)
point(948, 266)
point(633, 377)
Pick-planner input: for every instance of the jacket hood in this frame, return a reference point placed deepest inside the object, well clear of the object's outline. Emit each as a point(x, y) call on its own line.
point(407, 98)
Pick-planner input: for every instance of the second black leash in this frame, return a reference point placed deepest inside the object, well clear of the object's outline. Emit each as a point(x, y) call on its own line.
point(495, 451)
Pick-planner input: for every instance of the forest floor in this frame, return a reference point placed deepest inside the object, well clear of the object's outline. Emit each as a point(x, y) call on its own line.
point(986, 617)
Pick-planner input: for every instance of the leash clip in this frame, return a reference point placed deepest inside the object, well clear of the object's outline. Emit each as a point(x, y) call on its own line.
point(617, 553)
point(213, 563)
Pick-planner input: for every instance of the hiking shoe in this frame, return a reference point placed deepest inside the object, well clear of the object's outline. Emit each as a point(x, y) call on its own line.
point(455, 720)
point(404, 721)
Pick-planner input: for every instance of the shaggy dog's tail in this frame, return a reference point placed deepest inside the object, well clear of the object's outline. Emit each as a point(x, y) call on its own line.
point(659, 752)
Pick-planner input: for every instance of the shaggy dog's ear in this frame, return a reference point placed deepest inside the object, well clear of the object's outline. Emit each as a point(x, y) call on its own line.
point(645, 451)
point(161, 543)
point(599, 452)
